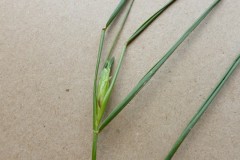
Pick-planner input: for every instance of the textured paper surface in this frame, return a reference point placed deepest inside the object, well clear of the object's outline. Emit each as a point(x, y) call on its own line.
point(48, 52)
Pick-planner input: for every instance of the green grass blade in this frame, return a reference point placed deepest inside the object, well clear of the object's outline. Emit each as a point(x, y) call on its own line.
point(148, 22)
point(154, 69)
point(137, 33)
point(120, 30)
point(202, 109)
point(116, 12)
point(95, 79)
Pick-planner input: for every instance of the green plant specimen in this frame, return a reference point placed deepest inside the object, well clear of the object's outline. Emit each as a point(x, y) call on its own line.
point(103, 86)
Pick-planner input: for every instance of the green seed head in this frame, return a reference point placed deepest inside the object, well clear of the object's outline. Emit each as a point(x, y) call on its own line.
point(104, 81)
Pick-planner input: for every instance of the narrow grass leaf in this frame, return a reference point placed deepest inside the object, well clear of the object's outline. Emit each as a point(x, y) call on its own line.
point(202, 109)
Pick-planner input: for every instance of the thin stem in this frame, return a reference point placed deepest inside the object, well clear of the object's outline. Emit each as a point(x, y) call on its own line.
point(94, 146)
point(202, 109)
point(153, 70)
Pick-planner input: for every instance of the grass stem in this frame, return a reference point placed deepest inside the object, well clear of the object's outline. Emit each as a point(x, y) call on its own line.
point(94, 146)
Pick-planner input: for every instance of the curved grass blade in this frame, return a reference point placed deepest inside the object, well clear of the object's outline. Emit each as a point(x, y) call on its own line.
point(202, 109)
point(134, 36)
point(154, 69)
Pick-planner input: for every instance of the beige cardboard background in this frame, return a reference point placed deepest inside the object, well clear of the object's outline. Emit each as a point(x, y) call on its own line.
point(48, 52)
